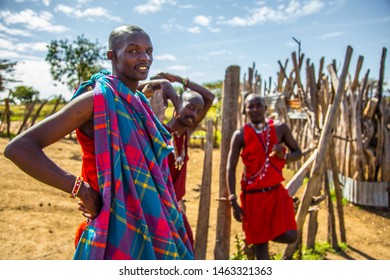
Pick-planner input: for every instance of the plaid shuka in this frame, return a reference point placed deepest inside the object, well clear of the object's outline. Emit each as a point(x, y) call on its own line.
point(140, 219)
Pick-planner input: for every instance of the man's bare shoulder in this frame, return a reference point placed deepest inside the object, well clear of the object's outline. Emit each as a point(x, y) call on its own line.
point(280, 124)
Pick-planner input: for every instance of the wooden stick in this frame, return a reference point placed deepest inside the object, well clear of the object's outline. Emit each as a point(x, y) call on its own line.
point(202, 226)
point(337, 188)
point(296, 181)
point(229, 125)
point(325, 139)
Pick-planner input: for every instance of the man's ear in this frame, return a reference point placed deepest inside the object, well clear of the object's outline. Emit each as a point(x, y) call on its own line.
point(110, 55)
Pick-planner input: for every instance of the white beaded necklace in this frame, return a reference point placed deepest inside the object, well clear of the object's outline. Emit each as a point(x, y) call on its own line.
point(179, 160)
point(263, 170)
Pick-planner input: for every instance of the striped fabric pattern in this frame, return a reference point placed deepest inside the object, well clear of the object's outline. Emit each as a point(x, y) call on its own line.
point(140, 218)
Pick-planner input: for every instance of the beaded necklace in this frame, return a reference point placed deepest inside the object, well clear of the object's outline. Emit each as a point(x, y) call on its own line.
point(260, 133)
point(179, 160)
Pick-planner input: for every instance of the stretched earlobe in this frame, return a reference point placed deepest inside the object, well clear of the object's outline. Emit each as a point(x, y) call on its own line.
point(110, 55)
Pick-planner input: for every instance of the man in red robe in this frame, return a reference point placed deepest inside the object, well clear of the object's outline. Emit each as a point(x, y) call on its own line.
point(195, 103)
point(267, 211)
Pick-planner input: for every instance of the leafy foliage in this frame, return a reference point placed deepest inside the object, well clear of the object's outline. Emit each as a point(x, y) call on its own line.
point(24, 94)
point(73, 63)
point(240, 252)
point(6, 69)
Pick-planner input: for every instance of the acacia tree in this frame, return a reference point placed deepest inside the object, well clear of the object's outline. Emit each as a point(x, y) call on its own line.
point(24, 94)
point(73, 63)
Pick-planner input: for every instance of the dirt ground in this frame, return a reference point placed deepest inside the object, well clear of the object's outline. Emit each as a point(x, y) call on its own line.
point(38, 222)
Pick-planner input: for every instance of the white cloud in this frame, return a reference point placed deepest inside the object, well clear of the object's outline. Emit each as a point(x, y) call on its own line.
point(214, 30)
point(36, 73)
point(6, 44)
point(282, 13)
point(44, 2)
point(14, 31)
point(329, 35)
point(90, 14)
point(177, 68)
point(23, 49)
point(220, 52)
point(194, 30)
point(152, 6)
point(83, 2)
point(202, 20)
point(165, 57)
point(188, 6)
point(32, 20)
point(6, 54)
point(171, 26)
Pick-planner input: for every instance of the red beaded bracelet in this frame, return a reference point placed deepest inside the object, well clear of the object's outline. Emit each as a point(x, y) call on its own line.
point(77, 185)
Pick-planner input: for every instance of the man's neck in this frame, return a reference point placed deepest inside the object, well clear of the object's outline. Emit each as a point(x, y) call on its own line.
point(176, 127)
point(131, 84)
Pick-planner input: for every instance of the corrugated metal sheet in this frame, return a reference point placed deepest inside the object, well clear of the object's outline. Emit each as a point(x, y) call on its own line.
point(364, 193)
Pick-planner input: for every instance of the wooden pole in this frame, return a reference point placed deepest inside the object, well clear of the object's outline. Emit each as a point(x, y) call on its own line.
point(337, 189)
point(157, 104)
point(332, 237)
point(229, 125)
point(362, 161)
point(202, 226)
point(326, 135)
point(381, 161)
point(296, 181)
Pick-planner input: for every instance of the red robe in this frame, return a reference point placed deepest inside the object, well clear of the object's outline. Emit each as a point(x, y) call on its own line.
point(179, 176)
point(270, 213)
point(88, 171)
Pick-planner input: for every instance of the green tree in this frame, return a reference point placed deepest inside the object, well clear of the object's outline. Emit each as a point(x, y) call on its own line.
point(24, 94)
point(6, 70)
point(216, 89)
point(73, 63)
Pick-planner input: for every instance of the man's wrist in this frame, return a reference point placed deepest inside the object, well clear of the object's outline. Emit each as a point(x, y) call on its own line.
point(232, 198)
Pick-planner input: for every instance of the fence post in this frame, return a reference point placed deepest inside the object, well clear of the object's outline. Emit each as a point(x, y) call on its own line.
point(202, 225)
point(231, 91)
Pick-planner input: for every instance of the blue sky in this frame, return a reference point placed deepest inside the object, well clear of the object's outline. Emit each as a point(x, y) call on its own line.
point(200, 39)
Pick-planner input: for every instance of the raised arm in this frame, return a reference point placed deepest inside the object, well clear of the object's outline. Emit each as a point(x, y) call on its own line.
point(208, 96)
point(149, 87)
point(26, 150)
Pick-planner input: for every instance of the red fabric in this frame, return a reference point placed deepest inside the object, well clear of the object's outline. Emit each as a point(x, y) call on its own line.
point(88, 171)
point(188, 229)
point(88, 167)
point(79, 232)
point(178, 176)
point(266, 214)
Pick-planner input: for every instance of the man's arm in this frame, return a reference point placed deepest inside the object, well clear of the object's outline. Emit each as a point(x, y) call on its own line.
point(167, 91)
point(236, 144)
point(26, 150)
point(285, 135)
point(208, 96)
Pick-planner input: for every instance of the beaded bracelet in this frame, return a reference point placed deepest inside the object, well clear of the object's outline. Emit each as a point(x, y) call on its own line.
point(232, 197)
point(76, 187)
point(185, 83)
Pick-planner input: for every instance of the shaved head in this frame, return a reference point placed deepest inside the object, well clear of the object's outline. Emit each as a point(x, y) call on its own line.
point(191, 96)
point(120, 33)
point(254, 96)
